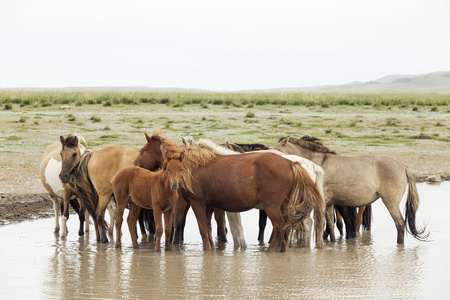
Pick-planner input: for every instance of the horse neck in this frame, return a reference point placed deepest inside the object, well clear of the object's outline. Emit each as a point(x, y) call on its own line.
point(314, 156)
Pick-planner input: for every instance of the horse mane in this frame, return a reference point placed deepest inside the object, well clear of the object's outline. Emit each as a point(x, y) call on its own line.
point(81, 184)
point(194, 157)
point(74, 140)
point(169, 145)
point(308, 142)
point(214, 147)
point(253, 147)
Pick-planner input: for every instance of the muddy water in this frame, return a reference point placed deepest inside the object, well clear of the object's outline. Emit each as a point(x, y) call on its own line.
point(34, 263)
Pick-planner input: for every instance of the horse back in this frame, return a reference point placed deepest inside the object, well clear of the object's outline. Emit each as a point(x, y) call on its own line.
point(237, 182)
point(105, 162)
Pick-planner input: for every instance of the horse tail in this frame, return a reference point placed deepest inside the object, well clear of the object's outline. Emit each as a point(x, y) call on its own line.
point(367, 217)
point(412, 204)
point(81, 184)
point(302, 199)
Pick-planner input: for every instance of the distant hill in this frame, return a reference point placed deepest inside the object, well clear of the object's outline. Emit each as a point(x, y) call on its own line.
point(437, 82)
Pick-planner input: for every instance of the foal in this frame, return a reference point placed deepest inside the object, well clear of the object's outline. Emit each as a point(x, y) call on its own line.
point(152, 190)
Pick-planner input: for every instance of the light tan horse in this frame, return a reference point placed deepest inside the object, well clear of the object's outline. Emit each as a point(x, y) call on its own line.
point(91, 173)
point(152, 190)
point(360, 180)
point(49, 170)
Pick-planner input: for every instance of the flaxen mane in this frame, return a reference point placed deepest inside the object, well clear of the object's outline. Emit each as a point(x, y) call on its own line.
point(194, 157)
point(310, 143)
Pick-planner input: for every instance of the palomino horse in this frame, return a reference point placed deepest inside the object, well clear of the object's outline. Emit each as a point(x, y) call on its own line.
point(49, 170)
point(314, 171)
point(281, 187)
point(90, 175)
point(360, 180)
point(152, 190)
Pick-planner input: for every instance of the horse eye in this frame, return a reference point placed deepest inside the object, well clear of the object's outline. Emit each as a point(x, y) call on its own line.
point(140, 152)
point(74, 154)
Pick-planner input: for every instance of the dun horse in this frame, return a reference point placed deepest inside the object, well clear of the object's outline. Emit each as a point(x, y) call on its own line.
point(152, 190)
point(281, 187)
point(49, 170)
point(90, 175)
point(360, 180)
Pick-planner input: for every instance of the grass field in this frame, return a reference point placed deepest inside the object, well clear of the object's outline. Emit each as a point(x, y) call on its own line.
point(413, 128)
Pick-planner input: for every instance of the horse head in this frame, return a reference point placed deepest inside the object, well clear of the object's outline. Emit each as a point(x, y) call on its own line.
point(70, 156)
point(152, 155)
point(173, 166)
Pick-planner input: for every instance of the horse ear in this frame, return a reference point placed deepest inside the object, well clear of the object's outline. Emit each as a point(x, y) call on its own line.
point(181, 155)
point(284, 141)
point(164, 165)
point(62, 140)
point(184, 141)
point(148, 138)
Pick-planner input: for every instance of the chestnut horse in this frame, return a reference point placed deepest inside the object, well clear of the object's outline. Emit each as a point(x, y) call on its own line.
point(279, 186)
point(314, 171)
point(90, 176)
point(49, 170)
point(360, 180)
point(152, 190)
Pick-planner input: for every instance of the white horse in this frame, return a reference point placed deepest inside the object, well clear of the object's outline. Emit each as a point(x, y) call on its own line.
point(315, 172)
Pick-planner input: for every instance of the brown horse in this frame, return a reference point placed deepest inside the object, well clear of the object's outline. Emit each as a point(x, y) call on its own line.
point(49, 170)
point(279, 186)
point(90, 175)
point(152, 190)
point(360, 180)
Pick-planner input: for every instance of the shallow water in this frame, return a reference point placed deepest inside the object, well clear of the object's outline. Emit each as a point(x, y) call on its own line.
point(34, 263)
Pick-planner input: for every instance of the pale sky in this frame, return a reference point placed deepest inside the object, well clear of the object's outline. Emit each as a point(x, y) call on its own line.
point(219, 45)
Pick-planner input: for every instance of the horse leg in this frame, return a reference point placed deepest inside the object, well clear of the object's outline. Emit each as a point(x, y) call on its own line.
point(349, 216)
point(86, 217)
point(200, 212)
point(209, 212)
point(65, 213)
point(56, 208)
point(307, 225)
point(104, 201)
point(262, 224)
point(359, 217)
point(157, 213)
point(119, 220)
point(396, 215)
point(219, 215)
point(329, 216)
point(132, 220)
point(141, 221)
point(237, 231)
point(179, 219)
point(112, 215)
point(339, 223)
point(81, 215)
point(277, 222)
point(168, 215)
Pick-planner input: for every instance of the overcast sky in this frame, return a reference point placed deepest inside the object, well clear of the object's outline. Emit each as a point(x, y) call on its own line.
point(219, 45)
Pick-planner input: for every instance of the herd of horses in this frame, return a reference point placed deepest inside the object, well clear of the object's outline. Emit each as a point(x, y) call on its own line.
point(289, 183)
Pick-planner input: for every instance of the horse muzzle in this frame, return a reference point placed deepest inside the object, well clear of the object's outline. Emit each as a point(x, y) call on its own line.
point(64, 177)
point(174, 186)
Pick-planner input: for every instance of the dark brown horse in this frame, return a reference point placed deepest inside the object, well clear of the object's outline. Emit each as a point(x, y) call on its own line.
point(266, 180)
point(152, 190)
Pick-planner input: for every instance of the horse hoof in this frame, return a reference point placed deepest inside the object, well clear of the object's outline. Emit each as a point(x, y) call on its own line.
point(136, 246)
point(105, 240)
point(80, 233)
point(118, 245)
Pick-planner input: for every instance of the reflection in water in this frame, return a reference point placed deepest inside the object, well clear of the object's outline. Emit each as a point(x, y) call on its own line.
point(35, 263)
